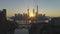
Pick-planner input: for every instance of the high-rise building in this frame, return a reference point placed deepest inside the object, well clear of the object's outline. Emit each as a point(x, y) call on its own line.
point(3, 15)
point(28, 12)
point(33, 11)
point(37, 11)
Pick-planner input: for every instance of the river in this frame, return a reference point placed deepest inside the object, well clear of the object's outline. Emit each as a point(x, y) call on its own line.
point(21, 31)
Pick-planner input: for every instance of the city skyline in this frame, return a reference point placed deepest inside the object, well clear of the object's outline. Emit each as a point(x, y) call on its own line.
point(49, 7)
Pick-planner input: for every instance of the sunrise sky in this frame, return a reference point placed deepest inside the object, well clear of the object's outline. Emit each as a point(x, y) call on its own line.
point(49, 7)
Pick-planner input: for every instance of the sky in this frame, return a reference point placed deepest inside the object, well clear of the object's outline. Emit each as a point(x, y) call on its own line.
point(49, 7)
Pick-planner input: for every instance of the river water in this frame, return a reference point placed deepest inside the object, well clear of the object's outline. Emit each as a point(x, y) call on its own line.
point(21, 31)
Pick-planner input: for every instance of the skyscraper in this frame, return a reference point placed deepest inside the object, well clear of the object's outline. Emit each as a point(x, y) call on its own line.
point(37, 11)
point(33, 11)
point(28, 12)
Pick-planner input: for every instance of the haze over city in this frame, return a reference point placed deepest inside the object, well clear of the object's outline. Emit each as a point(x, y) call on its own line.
point(49, 7)
point(29, 16)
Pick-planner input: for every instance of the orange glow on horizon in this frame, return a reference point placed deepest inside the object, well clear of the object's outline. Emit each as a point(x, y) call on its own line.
point(31, 14)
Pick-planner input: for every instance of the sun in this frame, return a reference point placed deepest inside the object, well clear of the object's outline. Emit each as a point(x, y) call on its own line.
point(31, 14)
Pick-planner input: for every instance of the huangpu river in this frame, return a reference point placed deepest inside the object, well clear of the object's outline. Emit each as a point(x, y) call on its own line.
point(21, 31)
